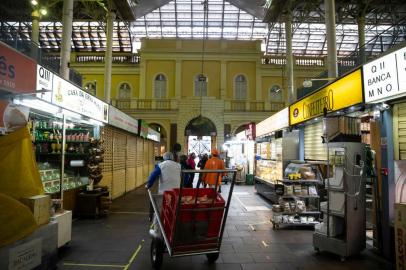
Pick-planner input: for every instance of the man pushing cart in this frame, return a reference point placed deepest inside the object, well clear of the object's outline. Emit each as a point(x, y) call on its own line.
point(189, 221)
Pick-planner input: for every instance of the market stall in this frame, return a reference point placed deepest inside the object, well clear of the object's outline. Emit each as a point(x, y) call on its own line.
point(384, 81)
point(65, 125)
point(330, 119)
point(240, 154)
point(276, 147)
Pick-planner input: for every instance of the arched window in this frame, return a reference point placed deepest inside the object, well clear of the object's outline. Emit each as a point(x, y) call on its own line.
point(90, 87)
point(160, 86)
point(240, 87)
point(124, 91)
point(275, 94)
point(200, 85)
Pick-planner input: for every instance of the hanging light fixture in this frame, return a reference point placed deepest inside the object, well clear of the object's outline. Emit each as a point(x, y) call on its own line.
point(202, 78)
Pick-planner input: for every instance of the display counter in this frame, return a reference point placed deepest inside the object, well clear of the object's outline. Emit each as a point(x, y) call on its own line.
point(272, 158)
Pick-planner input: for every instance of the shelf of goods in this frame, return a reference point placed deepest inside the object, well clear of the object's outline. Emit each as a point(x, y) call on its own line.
point(298, 203)
point(274, 157)
point(50, 177)
point(47, 141)
point(342, 230)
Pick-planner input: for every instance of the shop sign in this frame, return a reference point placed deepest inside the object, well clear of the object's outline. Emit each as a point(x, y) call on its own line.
point(44, 82)
point(143, 128)
point(250, 131)
point(153, 135)
point(17, 71)
point(121, 120)
point(273, 123)
point(343, 93)
point(71, 97)
point(385, 77)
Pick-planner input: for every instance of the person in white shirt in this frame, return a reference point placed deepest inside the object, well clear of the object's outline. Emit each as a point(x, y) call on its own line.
point(168, 173)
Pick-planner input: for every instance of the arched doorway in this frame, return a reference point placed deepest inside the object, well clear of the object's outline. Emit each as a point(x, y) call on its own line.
point(239, 129)
point(161, 147)
point(200, 134)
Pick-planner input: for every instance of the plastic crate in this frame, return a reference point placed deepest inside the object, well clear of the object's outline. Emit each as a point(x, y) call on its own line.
point(194, 227)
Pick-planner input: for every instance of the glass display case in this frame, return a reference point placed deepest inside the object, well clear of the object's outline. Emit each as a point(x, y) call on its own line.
point(46, 134)
point(272, 158)
point(50, 177)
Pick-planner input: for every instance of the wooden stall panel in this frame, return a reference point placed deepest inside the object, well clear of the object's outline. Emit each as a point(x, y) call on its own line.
point(118, 186)
point(140, 158)
point(119, 163)
point(131, 151)
point(107, 137)
point(130, 176)
point(107, 181)
point(119, 150)
point(151, 156)
point(145, 161)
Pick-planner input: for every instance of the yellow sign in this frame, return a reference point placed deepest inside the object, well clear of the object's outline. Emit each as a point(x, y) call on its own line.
point(342, 93)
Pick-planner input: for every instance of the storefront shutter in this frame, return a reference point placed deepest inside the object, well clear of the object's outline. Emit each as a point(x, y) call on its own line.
point(399, 131)
point(314, 149)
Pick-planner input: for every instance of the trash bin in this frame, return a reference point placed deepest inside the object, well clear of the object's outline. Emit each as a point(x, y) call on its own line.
point(249, 179)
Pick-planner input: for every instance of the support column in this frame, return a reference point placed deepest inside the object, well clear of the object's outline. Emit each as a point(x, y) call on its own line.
point(361, 37)
point(111, 15)
point(331, 38)
point(289, 58)
point(143, 73)
point(35, 26)
point(178, 78)
point(388, 182)
point(223, 79)
point(258, 82)
point(67, 19)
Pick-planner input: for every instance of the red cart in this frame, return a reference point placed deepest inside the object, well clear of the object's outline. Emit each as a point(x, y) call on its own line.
point(191, 221)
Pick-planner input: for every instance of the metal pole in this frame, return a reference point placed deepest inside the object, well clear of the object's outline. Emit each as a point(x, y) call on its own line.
point(289, 57)
point(62, 158)
point(67, 21)
point(361, 37)
point(35, 26)
point(35, 33)
point(111, 15)
point(331, 38)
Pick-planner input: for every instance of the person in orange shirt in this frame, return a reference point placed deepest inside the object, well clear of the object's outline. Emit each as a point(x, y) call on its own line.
point(214, 163)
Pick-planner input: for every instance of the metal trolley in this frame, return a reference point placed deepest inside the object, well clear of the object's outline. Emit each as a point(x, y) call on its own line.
point(193, 227)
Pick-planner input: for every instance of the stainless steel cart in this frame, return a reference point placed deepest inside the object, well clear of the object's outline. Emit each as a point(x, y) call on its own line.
point(196, 229)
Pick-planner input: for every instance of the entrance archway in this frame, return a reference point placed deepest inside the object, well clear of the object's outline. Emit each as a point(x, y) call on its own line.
point(200, 134)
point(161, 147)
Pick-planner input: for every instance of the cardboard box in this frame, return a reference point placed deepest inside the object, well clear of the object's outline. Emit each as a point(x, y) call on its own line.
point(400, 235)
point(64, 220)
point(40, 207)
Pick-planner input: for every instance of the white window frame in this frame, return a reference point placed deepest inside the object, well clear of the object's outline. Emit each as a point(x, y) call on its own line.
point(240, 88)
point(200, 85)
point(272, 94)
point(160, 86)
point(128, 91)
point(93, 89)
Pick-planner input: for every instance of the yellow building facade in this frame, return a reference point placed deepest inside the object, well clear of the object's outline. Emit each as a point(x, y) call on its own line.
point(171, 82)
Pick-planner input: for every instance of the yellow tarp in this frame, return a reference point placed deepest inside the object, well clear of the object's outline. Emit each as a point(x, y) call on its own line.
point(19, 176)
point(16, 220)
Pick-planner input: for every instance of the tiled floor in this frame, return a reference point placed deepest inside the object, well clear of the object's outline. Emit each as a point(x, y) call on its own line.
point(121, 241)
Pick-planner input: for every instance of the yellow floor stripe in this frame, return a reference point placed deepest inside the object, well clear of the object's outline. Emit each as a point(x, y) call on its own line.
point(94, 265)
point(129, 212)
point(134, 255)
